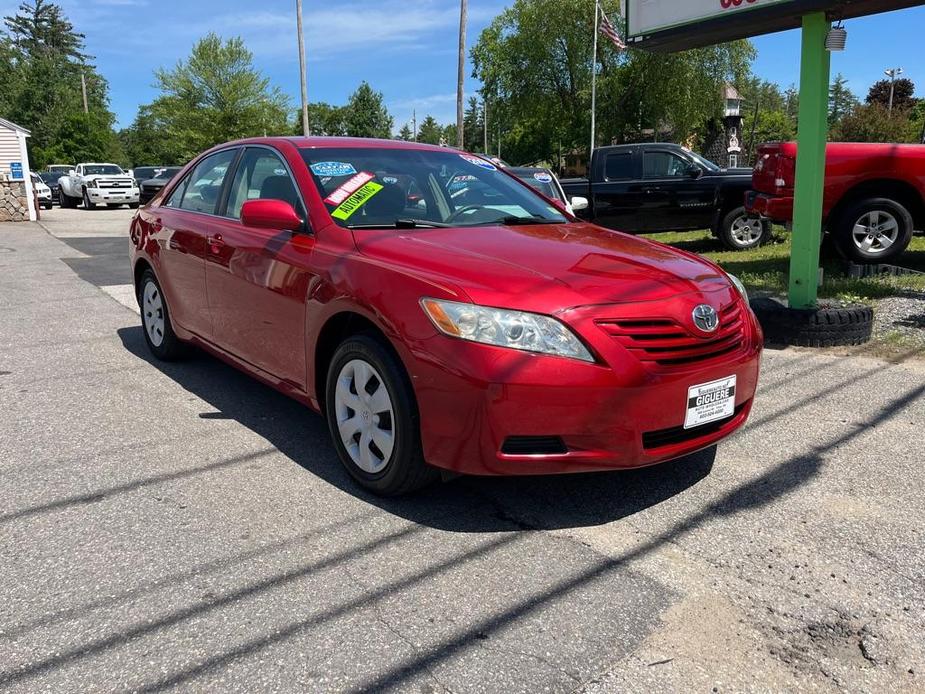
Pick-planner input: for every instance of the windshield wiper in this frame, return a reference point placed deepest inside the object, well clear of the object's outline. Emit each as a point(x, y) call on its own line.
point(403, 224)
point(512, 221)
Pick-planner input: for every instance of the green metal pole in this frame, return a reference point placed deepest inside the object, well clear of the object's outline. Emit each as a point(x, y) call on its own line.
point(812, 133)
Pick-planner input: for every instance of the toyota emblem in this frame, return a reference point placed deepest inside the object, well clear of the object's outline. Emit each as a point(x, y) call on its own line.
point(706, 318)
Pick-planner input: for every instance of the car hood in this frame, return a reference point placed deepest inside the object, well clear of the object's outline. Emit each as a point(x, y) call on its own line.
point(544, 268)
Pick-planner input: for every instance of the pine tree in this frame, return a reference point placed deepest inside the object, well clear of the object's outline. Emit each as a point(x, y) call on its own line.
point(841, 100)
point(366, 114)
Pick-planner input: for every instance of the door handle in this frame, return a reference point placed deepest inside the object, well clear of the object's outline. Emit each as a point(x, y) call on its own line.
point(215, 243)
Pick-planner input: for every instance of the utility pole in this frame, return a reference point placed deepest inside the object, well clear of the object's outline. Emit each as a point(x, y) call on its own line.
point(594, 89)
point(891, 73)
point(485, 125)
point(302, 77)
point(83, 89)
point(461, 74)
point(414, 123)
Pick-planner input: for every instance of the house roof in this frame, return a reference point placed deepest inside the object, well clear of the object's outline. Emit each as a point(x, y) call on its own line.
point(12, 126)
point(730, 92)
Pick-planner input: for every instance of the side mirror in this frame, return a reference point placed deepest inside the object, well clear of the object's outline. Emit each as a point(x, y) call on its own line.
point(270, 214)
point(579, 203)
point(71, 172)
point(694, 171)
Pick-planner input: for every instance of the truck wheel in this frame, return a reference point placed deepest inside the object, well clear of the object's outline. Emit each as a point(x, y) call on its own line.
point(875, 230)
point(66, 201)
point(87, 204)
point(739, 230)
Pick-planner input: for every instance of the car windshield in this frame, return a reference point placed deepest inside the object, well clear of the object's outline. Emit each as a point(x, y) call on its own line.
point(102, 170)
point(143, 172)
point(540, 180)
point(706, 163)
point(382, 187)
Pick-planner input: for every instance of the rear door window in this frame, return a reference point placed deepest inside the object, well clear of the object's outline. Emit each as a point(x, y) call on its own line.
point(618, 166)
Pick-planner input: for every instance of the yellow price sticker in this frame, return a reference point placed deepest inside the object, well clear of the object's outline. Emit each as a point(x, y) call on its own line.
point(356, 201)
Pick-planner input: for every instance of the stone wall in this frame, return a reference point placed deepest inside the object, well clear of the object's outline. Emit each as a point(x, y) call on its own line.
point(13, 204)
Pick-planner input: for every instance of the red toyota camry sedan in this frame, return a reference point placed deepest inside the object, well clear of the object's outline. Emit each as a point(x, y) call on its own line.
point(440, 313)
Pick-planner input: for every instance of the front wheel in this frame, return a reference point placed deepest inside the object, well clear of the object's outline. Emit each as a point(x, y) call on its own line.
point(155, 320)
point(373, 418)
point(66, 201)
point(740, 230)
point(876, 230)
point(88, 205)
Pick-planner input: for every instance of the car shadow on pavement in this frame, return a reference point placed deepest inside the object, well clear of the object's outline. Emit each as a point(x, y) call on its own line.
point(463, 504)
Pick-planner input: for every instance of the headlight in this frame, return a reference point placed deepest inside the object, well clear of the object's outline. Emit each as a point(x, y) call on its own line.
point(738, 285)
point(530, 332)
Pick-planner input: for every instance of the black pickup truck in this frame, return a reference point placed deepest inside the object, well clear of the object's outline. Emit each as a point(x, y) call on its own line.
point(663, 187)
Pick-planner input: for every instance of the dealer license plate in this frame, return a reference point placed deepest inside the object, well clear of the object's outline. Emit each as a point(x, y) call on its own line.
point(710, 401)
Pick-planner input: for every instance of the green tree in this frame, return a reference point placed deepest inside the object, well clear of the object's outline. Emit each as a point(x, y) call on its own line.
point(325, 119)
point(366, 114)
point(771, 126)
point(42, 60)
point(405, 133)
point(841, 100)
point(430, 131)
point(216, 95)
point(144, 142)
point(472, 122)
point(871, 123)
point(903, 94)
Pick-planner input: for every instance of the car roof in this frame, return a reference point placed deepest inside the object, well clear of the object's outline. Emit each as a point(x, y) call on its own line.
point(325, 141)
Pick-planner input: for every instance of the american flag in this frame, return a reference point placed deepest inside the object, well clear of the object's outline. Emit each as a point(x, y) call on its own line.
point(608, 30)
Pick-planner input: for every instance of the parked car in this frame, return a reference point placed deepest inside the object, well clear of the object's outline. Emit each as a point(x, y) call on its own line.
point(873, 199)
point(143, 173)
point(547, 183)
point(663, 187)
point(50, 179)
point(482, 331)
point(42, 192)
point(59, 169)
point(152, 186)
point(97, 184)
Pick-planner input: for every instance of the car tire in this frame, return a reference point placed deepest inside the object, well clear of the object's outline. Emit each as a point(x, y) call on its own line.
point(819, 327)
point(67, 202)
point(373, 418)
point(741, 231)
point(155, 320)
point(133, 205)
point(46, 206)
point(88, 205)
point(863, 230)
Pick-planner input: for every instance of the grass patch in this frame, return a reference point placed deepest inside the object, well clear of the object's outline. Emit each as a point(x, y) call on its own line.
point(766, 269)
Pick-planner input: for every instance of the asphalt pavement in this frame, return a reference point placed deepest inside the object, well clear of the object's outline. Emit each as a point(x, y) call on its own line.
point(182, 527)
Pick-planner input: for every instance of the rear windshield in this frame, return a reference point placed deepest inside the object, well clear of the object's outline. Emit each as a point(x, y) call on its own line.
point(380, 188)
point(143, 172)
point(50, 177)
point(102, 170)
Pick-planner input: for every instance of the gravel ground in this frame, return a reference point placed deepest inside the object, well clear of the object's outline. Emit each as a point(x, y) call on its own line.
point(904, 315)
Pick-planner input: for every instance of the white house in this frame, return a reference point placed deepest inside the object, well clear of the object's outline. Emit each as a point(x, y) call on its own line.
point(16, 195)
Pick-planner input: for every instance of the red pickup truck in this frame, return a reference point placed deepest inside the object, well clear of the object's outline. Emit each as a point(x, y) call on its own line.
point(874, 194)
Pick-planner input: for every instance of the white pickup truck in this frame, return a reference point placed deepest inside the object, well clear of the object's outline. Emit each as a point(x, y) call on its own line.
point(98, 184)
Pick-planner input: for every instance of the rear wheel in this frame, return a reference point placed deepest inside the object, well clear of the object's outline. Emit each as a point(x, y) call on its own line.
point(373, 418)
point(155, 320)
point(88, 204)
point(740, 230)
point(875, 230)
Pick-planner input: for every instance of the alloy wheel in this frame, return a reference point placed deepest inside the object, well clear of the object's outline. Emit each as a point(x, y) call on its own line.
point(365, 416)
point(152, 311)
point(875, 232)
point(747, 230)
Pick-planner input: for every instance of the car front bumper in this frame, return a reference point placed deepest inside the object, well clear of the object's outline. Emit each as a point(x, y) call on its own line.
point(113, 195)
point(475, 400)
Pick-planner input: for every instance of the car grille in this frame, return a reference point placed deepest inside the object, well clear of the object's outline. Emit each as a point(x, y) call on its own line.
point(676, 435)
point(118, 183)
point(666, 342)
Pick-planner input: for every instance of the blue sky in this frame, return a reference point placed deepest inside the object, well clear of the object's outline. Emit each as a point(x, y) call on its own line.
point(404, 48)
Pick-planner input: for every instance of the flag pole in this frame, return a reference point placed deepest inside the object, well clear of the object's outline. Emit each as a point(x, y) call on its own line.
point(593, 87)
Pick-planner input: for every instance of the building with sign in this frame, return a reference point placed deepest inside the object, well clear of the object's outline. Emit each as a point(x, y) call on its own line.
point(16, 198)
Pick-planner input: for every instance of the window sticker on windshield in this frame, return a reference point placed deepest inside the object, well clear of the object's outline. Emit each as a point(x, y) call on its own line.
point(356, 201)
point(279, 172)
point(391, 180)
point(333, 168)
point(350, 186)
point(479, 162)
point(542, 177)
